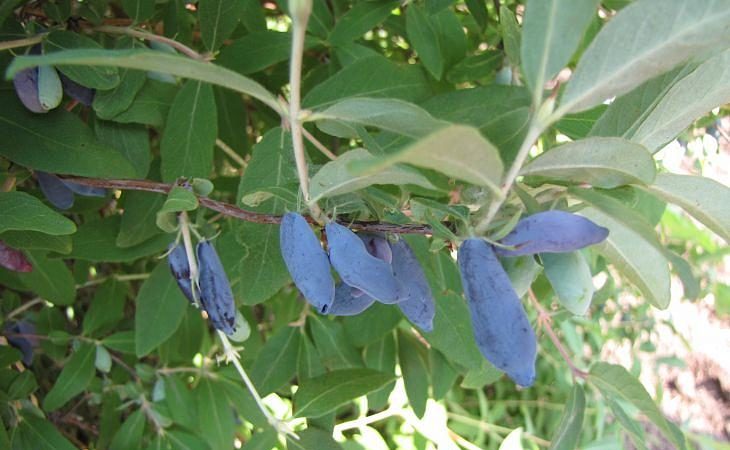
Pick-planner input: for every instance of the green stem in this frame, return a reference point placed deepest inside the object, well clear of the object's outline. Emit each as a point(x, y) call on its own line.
point(533, 133)
point(299, 28)
point(25, 42)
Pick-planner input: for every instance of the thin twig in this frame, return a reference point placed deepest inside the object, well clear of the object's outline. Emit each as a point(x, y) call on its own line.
point(231, 355)
point(231, 153)
point(182, 48)
point(366, 420)
point(25, 42)
point(544, 320)
point(128, 277)
point(24, 307)
point(249, 216)
point(320, 146)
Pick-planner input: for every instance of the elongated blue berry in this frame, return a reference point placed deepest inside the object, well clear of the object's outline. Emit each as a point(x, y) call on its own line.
point(81, 94)
point(307, 261)
point(13, 259)
point(552, 232)
point(501, 327)
point(86, 191)
point(50, 91)
point(25, 83)
point(177, 259)
point(377, 245)
point(216, 296)
point(347, 304)
point(357, 267)
point(55, 190)
point(21, 337)
point(416, 299)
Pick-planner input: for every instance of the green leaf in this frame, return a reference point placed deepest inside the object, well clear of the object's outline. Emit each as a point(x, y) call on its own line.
point(131, 140)
point(58, 142)
point(567, 436)
point(374, 76)
point(634, 428)
point(252, 257)
point(257, 51)
point(263, 440)
point(91, 77)
point(138, 221)
point(309, 364)
point(76, 375)
point(705, 199)
point(122, 341)
point(363, 17)
point(96, 241)
point(22, 211)
point(642, 41)
point(107, 307)
point(22, 386)
point(187, 142)
point(571, 279)
point(276, 363)
point(443, 374)
point(452, 333)
point(457, 151)
point(452, 38)
point(138, 10)
point(617, 383)
point(480, 376)
point(180, 199)
point(478, 10)
point(381, 356)
point(337, 178)
point(150, 106)
point(602, 162)
point(150, 60)
point(475, 67)
point(159, 309)
point(636, 259)
point(423, 38)
point(218, 19)
point(393, 115)
point(179, 397)
point(415, 373)
point(335, 349)
point(681, 105)
point(231, 114)
point(511, 35)
point(320, 395)
point(34, 240)
point(580, 125)
point(39, 434)
point(50, 279)
point(372, 324)
point(500, 112)
point(551, 32)
point(313, 439)
point(109, 103)
point(215, 417)
point(9, 355)
point(129, 435)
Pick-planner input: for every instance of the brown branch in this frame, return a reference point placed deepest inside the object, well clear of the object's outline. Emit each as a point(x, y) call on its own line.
point(249, 216)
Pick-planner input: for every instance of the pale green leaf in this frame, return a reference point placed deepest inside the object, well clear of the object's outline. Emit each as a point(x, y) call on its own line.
point(398, 116)
point(511, 35)
point(571, 279)
point(360, 19)
point(636, 259)
point(457, 151)
point(707, 87)
point(336, 177)
point(601, 162)
point(218, 19)
point(616, 382)
point(705, 199)
point(152, 61)
point(643, 40)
